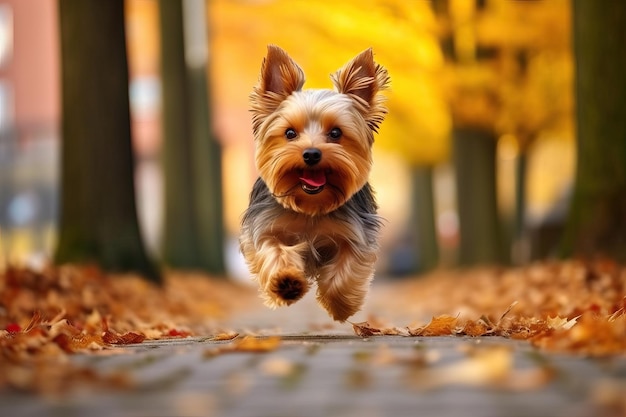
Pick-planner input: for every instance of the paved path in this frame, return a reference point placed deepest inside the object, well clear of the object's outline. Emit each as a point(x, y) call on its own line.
point(323, 370)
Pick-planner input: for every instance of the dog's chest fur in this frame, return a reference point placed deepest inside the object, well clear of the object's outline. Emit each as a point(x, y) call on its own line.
point(355, 224)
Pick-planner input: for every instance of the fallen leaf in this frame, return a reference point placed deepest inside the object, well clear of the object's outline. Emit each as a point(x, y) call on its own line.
point(508, 310)
point(224, 336)
point(13, 328)
point(474, 328)
point(248, 344)
point(122, 339)
point(561, 322)
point(363, 329)
point(256, 344)
point(178, 333)
point(439, 326)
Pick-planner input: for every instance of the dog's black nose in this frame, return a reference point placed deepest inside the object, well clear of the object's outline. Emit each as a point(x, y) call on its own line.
point(311, 156)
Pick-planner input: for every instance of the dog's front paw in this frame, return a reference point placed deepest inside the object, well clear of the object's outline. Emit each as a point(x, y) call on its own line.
point(287, 286)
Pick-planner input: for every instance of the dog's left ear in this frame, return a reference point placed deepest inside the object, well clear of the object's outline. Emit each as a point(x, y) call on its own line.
point(363, 79)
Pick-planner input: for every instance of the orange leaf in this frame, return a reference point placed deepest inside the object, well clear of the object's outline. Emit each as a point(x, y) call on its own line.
point(224, 336)
point(256, 344)
point(474, 328)
point(124, 339)
point(363, 329)
point(438, 326)
point(247, 344)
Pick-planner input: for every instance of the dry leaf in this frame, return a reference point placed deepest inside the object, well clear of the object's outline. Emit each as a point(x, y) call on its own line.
point(363, 329)
point(376, 327)
point(246, 344)
point(123, 339)
point(256, 344)
point(508, 310)
point(224, 336)
point(561, 322)
point(474, 328)
point(438, 326)
point(568, 306)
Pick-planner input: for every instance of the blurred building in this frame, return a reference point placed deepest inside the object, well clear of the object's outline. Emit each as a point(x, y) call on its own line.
point(29, 125)
point(30, 122)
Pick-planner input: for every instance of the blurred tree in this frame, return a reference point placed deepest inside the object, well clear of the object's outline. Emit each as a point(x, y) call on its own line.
point(474, 104)
point(422, 221)
point(597, 220)
point(509, 73)
point(474, 157)
point(531, 43)
point(193, 229)
point(98, 215)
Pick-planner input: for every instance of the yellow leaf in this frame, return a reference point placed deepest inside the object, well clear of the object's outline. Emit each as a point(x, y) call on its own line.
point(561, 322)
point(224, 336)
point(256, 344)
point(249, 344)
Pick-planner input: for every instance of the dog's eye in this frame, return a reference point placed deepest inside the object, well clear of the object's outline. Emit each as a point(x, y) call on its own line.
point(335, 133)
point(291, 134)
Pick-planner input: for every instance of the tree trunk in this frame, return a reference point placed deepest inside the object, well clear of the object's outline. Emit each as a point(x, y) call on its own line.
point(193, 229)
point(208, 177)
point(423, 218)
point(479, 225)
point(597, 221)
point(98, 221)
point(520, 251)
point(179, 244)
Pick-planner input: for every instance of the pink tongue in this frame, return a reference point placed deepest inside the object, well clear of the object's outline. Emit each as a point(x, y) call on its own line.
point(313, 178)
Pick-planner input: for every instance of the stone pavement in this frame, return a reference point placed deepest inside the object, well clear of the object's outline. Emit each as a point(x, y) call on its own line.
point(321, 369)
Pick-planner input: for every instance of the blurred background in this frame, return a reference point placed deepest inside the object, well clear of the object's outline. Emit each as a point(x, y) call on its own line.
point(473, 165)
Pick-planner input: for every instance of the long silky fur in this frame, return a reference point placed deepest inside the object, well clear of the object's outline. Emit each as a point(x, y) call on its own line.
point(360, 212)
point(289, 239)
point(341, 290)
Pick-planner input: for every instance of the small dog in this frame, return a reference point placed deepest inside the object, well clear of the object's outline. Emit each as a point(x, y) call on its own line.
point(312, 214)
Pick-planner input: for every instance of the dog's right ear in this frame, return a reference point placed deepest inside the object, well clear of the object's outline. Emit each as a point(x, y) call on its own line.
point(279, 73)
point(280, 76)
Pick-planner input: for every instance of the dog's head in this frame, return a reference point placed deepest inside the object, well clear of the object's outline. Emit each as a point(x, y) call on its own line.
point(314, 147)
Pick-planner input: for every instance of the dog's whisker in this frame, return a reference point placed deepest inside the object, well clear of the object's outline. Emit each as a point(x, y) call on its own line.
point(287, 193)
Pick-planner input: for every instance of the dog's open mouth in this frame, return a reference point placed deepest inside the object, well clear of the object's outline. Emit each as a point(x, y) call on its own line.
point(313, 181)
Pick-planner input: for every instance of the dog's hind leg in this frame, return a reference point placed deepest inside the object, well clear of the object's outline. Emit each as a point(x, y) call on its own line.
point(344, 282)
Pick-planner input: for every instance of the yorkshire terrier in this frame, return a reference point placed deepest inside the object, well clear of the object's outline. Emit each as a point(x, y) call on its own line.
point(312, 215)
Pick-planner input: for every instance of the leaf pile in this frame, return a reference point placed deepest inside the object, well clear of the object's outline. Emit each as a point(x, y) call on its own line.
point(44, 316)
point(572, 306)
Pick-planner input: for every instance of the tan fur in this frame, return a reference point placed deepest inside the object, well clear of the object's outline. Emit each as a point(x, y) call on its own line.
point(307, 237)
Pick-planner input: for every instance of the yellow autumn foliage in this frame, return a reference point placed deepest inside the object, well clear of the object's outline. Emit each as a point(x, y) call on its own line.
point(321, 36)
point(513, 72)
